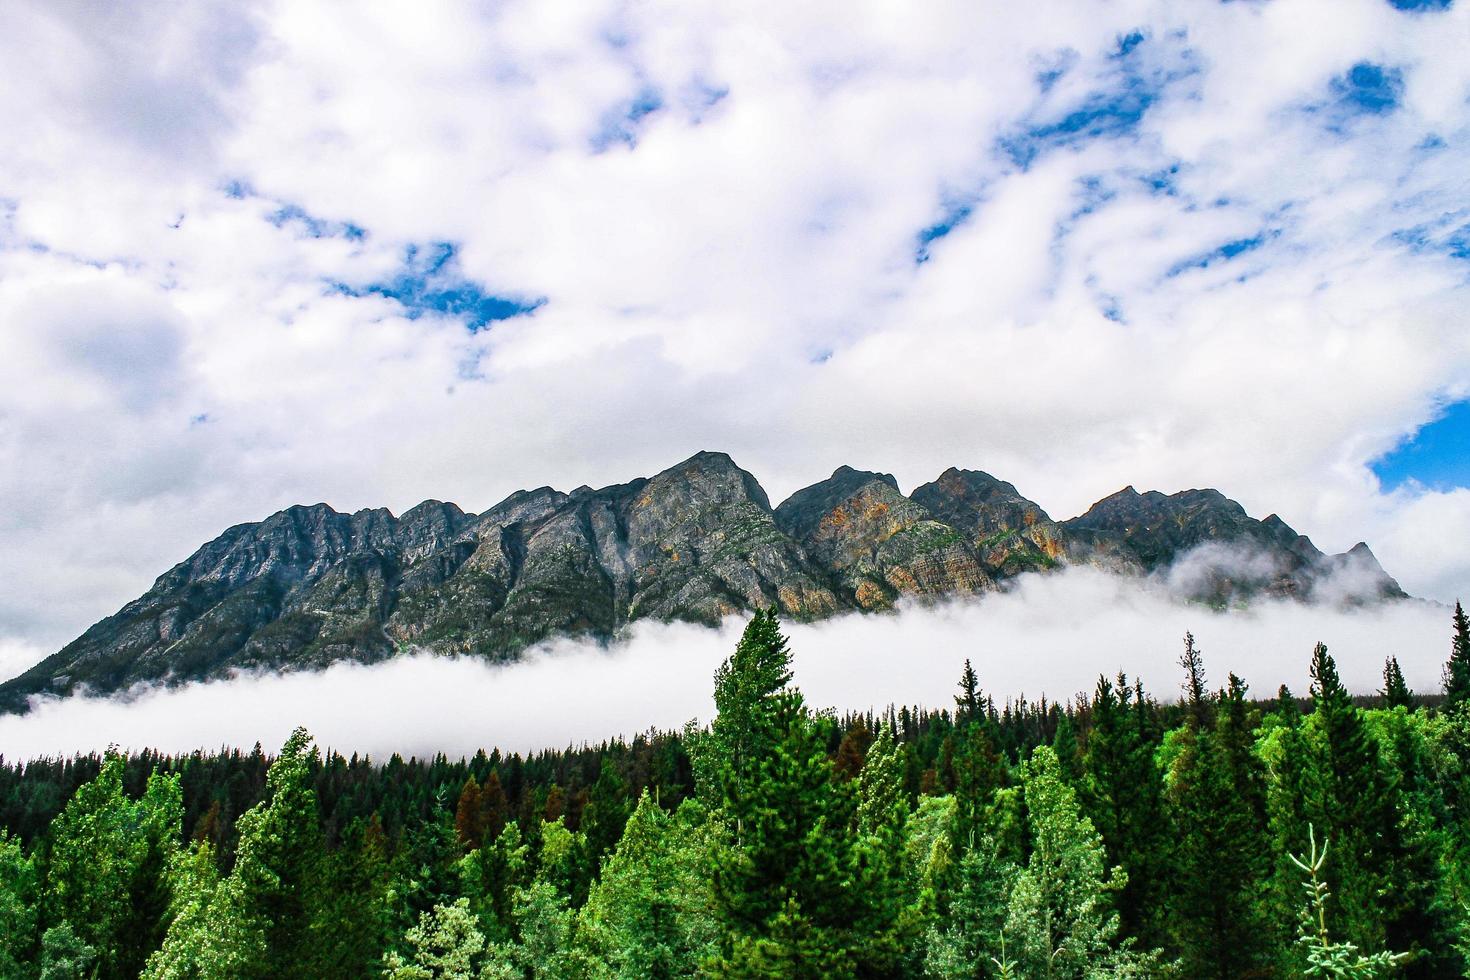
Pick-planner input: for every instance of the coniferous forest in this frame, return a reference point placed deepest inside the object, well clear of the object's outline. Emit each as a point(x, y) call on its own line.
point(1125, 833)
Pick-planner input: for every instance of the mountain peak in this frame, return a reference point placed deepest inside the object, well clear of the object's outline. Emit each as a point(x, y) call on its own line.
point(309, 586)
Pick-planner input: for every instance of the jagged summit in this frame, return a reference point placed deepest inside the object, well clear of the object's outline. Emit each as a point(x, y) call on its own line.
point(309, 586)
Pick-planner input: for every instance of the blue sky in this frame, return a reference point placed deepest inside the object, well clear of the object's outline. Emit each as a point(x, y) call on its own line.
point(261, 254)
point(1437, 456)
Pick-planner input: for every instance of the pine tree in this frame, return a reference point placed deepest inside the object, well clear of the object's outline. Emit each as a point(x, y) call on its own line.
point(1195, 699)
point(351, 916)
point(1387, 878)
point(607, 810)
point(1457, 670)
point(1396, 693)
point(490, 877)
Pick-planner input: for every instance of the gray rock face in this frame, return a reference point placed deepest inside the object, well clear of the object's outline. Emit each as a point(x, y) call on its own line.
point(309, 586)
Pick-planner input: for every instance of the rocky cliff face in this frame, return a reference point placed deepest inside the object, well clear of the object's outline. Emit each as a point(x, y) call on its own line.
point(310, 586)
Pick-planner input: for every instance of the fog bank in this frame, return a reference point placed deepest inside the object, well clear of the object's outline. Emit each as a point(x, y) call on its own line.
point(1049, 635)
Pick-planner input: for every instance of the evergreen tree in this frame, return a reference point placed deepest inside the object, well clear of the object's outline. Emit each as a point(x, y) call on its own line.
point(890, 914)
point(1324, 957)
point(650, 915)
point(1457, 670)
point(1396, 693)
point(106, 875)
point(1195, 699)
point(608, 809)
point(490, 876)
point(967, 940)
point(469, 815)
point(1217, 808)
point(17, 906)
point(967, 702)
point(257, 922)
point(1059, 920)
point(1122, 793)
point(351, 915)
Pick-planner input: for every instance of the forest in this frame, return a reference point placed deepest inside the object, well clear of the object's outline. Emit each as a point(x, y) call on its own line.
point(1122, 834)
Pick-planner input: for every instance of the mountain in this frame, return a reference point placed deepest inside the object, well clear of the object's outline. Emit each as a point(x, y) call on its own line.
point(309, 586)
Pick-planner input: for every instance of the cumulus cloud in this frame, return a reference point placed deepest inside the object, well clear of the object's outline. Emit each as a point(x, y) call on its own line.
point(1052, 635)
point(1078, 246)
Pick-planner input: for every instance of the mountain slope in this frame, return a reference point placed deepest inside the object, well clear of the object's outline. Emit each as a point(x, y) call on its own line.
point(309, 586)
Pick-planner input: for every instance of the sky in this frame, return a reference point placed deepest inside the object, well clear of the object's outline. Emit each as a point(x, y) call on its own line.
point(254, 255)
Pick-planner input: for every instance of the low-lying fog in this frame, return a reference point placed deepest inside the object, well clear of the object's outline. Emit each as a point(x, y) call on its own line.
point(1051, 634)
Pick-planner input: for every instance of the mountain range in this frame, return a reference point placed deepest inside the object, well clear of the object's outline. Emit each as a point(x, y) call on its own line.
point(310, 586)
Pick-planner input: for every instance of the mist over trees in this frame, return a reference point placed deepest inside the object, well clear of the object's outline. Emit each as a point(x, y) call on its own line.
point(1204, 834)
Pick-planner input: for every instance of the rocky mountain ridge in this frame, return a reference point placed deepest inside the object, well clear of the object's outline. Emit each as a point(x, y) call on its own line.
point(309, 586)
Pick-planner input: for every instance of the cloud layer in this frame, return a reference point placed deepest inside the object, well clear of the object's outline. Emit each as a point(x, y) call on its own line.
point(1052, 635)
point(261, 254)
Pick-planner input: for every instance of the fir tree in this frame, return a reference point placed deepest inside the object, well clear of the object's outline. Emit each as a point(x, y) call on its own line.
point(967, 702)
point(1122, 793)
point(1217, 809)
point(1457, 670)
point(1396, 693)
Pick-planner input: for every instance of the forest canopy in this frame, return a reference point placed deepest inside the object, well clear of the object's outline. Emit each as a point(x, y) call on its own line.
point(1120, 834)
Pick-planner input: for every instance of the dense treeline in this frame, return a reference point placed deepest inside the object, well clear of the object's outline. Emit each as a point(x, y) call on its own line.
point(1210, 836)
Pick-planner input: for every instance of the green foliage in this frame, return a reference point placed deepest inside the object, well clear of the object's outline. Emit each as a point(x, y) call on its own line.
point(444, 945)
point(788, 844)
point(1060, 916)
point(1396, 693)
point(1216, 803)
point(65, 956)
point(1121, 792)
point(1457, 669)
point(106, 870)
point(1323, 957)
point(651, 913)
point(257, 922)
point(17, 906)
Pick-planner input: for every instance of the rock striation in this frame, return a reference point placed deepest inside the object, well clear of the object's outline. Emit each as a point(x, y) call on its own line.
point(308, 586)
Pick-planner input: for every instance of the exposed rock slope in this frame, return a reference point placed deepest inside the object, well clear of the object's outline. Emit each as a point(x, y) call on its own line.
point(310, 586)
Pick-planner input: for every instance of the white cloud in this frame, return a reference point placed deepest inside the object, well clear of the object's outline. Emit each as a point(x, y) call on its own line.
point(741, 278)
point(1054, 635)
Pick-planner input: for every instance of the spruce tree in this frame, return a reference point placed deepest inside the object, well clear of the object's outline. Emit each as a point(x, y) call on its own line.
point(889, 902)
point(1217, 809)
point(1457, 670)
point(1396, 693)
point(784, 883)
point(1122, 793)
point(967, 702)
